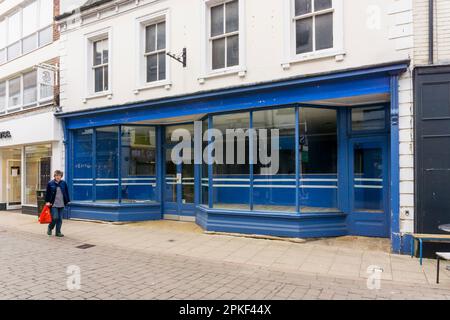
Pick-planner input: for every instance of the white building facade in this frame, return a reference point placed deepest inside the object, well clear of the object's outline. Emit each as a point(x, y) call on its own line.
point(334, 76)
point(31, 139)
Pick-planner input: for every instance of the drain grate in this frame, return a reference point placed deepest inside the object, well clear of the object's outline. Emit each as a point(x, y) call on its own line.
point(85, 246)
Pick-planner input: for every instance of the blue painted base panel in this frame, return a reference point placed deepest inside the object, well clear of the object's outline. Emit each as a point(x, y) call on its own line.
point(273, 224)
point(115, 213)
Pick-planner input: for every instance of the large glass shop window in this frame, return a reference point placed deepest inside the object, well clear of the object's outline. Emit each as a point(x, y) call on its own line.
point(37, 171)
point(274, 170)
point(82, 170)
point(107, 155)
point(318, 160)
point(138, 164)
point(205, 179)
point(231, 179)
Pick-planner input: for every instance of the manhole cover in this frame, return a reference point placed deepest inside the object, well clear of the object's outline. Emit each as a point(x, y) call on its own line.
point(85, 246)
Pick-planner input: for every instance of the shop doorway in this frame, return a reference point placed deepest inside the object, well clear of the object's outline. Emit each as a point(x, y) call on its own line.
point(13, 184)
point(368, 163)
point(179, 180)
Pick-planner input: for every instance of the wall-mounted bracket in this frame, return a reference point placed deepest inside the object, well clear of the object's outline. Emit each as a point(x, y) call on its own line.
point(181, 58)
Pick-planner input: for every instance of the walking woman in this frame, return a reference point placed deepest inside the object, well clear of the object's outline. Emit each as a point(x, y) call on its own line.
point(57, 197)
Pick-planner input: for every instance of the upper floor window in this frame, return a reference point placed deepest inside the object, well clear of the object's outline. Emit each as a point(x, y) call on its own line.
point(224, 35)
point(26, 29)
point(23, 91)
point(313, 25)
point(100, 60)
point(155, 51)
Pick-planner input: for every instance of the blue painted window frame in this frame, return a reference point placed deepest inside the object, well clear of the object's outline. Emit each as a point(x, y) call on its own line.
point(119, 166)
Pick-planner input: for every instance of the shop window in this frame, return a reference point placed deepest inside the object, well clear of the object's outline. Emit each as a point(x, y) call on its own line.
point(224, 35)
point(369, 118)
point(318, 160)
point(205, 171)
point(155, 51)
point(37, 171)
point(138, 164)
point(82, 168)
point(275, 191)
point(231, 176)
point(107, 172)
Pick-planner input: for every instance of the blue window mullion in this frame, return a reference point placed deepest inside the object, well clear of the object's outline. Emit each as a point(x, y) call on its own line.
point(160, 174)
point(251, 159)
point(210, 167)
point(94, 161)
point(119, 166)
point(297, 160)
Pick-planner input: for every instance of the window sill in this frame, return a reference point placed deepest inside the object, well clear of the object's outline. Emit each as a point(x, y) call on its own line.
point(339, 56)
point(102, 94)
point(153, 85)
point(240, 71)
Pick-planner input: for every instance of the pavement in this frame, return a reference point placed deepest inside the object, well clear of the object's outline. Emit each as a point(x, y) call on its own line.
point(177, 260)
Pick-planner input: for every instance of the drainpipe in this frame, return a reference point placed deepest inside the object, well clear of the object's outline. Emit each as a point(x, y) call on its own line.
point(431, 32)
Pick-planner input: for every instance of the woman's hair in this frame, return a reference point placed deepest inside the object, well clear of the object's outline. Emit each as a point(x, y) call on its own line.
point(58, 173)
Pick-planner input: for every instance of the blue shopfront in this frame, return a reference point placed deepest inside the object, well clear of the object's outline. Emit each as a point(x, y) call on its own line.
point(338, 158)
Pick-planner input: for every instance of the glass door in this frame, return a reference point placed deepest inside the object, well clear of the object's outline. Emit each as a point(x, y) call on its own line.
point(369, 187)
point(14, 184)
point(179, 181)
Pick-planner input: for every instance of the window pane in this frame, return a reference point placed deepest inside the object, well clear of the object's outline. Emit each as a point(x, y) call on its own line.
point(161, 35)
point(152, 68)
point(233, 173)
point(105, 78)
point(232, 12)
point(29, 19)
point(322, 4)
point(275, 190)
point(82, 170)
point(232, 51)
point(107, 150)
point(162, 66)
point(14, 28)
point(368, 179)
point(45, 13)
point(217, 20)
point(30, 43)
point(324, 31)
point(318, 153)
point(30, 88)
point(37, 171)
point(218, 54)
point(205, 183)
point(138, 164)
point(98, 75)
point(368, 118)
point(45, 36)
point(302, 7)
point(14, 93)
point(2, 56)
point(14, 51)
point(2, 96)
point(98, 48)
point(2, 34)
point(304, 35)
point(150, 38)
point(105, 51)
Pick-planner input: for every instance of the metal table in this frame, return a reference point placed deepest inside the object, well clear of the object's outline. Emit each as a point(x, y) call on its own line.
point(446, 228)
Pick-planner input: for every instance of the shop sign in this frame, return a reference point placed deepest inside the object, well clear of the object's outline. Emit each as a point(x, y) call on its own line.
point(5, 134)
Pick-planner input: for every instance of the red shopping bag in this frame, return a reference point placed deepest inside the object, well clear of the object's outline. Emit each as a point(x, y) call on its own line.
point(46, 216)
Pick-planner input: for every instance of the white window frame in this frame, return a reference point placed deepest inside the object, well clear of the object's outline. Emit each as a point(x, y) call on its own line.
point(290, 54)
point(141, 71)
point(206, 52)
point(90, 38)
point(37, 32)
point(20, 107)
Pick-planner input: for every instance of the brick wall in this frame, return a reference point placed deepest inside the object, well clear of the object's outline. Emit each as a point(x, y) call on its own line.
point(441, 31)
